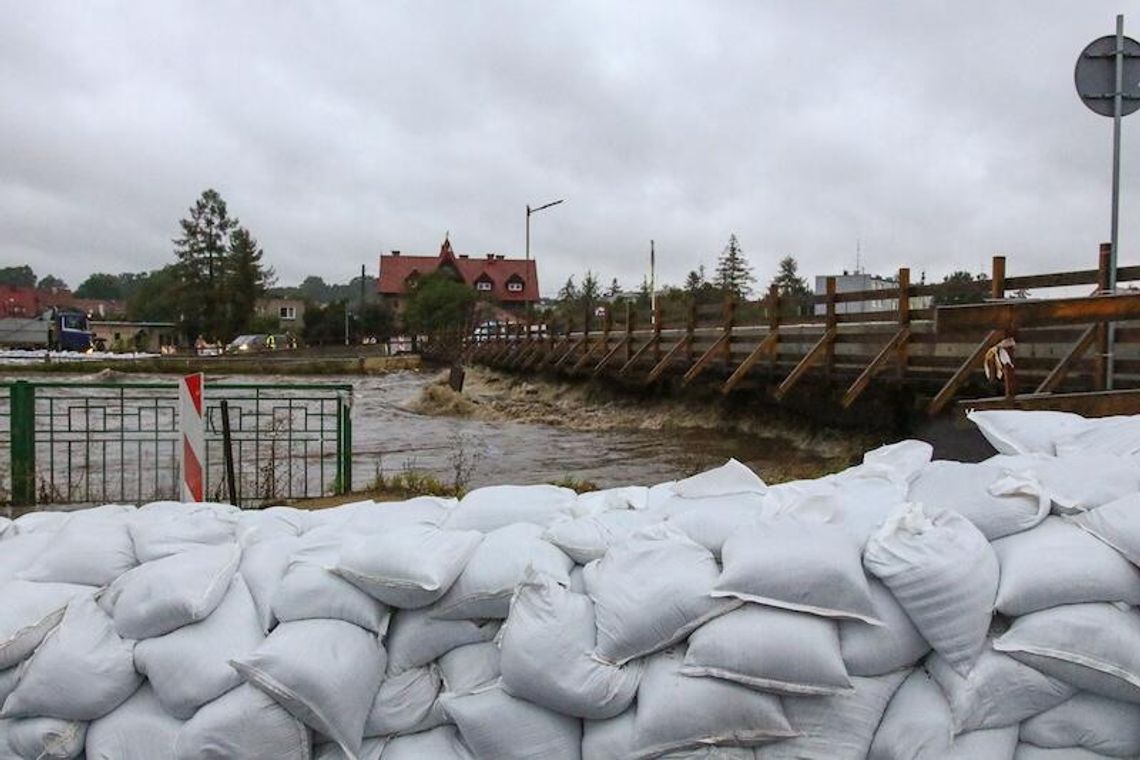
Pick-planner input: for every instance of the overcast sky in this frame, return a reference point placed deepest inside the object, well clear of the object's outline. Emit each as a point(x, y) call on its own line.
point(937, 133)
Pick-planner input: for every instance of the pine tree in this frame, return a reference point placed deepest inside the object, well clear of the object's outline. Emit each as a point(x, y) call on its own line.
point(614, 290)
point(695, 281)
point(733, 274)
point(590, 288)
point(200, 254)
point(788, 280)
point(569, 292)
point(246, 280)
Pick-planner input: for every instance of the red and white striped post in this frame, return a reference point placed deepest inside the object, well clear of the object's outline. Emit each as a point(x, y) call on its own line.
point(190, 422)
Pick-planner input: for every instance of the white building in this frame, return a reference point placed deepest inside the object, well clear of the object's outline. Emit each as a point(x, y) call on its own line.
point(851, 282)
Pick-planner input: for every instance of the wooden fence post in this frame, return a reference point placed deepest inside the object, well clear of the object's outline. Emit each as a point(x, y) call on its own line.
point(832, 320)
point(729, 324)
point(630, 320)
point(690, 330)
point(656, 335)
point(774, 320)
point(997, 283)
point(904, 318)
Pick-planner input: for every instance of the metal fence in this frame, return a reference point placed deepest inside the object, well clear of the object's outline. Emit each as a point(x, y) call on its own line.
point(89, 442)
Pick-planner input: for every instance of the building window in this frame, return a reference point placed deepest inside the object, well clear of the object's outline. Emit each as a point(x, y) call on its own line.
point(287, 312)
point(514, 286)
point(484, 285)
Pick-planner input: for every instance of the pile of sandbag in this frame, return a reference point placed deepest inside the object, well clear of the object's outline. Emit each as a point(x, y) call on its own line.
point(904, 609)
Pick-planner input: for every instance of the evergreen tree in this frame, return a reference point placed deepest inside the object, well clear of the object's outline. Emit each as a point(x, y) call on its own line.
point(614, 290)
point(733, 274)
point(201, 255)
point(591, 291)
point(569, 292)
point(788, 280)
point(644, 296)
point(246, 280)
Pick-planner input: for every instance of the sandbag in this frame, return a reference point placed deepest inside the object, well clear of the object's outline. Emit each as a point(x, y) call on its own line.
point(41, 739)
point(28, 611)
point(257, 525)
point(711, 520)
point(1116, 524)
point(190, 666)
point(771, 649)
point(875, 650)
point(944, 573)
point(1025, 432)
point(676, 712)
point(546, 644)
point(1079, 568)
point(484, 588)
point(1030, 752)
point(797, 565)
point(916, 725)
point(1074, 482)
point(407, 567)
point(836, 727)
point(661, 564)
point(21, 549)
point(1115, 435)
point(494, 507)
point(588, 538)
point(496, 726)
point(93, 548)
point(158, 536)
point(82, 670)
point(8, 680)
point(161, 596)
point(610, 739)
point(858, 502)
point(902, 461)
point(469, 667)
point(416, 637)
point(605, 500)
point(1095, 647)
point(310, 591)
point(378, 518)
point(263, 566)
point(732, 477)
point(244, 723)
point(324, 672)
point(965, 488)
point(1090, 721)
point(437, 744)
point(370, 749)
point(990, 743)
point(998, 692)
point(138, 729)
point(404, 702)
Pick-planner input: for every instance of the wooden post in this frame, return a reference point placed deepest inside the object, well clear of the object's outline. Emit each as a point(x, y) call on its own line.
point(630, 320)
point(657, 335)
point(904, 319)
point(607, 326)
point(729, 324)
point(997, 283)
point(690, 328)
point(774, 319)
point(829, 355)
point(1100, 361)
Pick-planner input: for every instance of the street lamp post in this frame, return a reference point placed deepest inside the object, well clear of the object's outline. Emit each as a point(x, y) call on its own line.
point(529, 211)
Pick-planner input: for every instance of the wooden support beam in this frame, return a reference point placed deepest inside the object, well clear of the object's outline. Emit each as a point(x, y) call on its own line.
point(811, 357)
point(856, 389)
point(623, 343)
point(902, 355)
point(700, 364)
point(677, 348)
point(831, 321)
point(767, 345)
point(1080, 348)
point(774, 321)
point(939, 402)
point(1009, 315)
point(553, 351)
point(590, 348)
point(630, 326)
point(650, 345)
point(997, 281)
point(1092, 404)
point(569, 352)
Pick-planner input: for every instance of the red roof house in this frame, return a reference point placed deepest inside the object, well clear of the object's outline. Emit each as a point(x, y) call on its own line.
point(510, 283)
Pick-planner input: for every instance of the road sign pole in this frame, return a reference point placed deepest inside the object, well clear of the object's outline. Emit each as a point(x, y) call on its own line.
point(1117, 115)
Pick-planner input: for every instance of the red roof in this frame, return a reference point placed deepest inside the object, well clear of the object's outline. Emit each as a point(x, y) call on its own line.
point(18, 302)
point(395, 269)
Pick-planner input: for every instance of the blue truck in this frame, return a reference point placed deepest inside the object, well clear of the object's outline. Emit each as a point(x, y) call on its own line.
point(55, 329)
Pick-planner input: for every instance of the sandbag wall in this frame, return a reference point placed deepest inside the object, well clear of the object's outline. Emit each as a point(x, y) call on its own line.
point(901, 610)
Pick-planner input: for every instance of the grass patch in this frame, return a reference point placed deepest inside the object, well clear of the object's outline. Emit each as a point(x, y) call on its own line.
point(578, 485)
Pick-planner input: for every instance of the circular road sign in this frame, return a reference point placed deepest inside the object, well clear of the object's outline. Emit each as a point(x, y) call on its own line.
point(1095, 75)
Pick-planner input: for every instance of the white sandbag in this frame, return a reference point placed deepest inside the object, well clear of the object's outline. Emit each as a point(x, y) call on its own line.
point(93, 548)
point(606, 500)
point(998, 692)
point(917, 723)
point(28, 611)
point(324, 672)
point(1079, 568)
point(1116, 435)
point(588, 538)
point(658, 494)
point(484, 588)
point(901, 461)
point(676, 712)
point(407, 567)
point(797, 565)
point(371, 749)
point(416, 637)
point(41, 739)
point(1116, 524)
point(578, 579)
point(8, 680)
point(496, 726)
point(1091, 721)
point(610, 739)
point(546, 644)
point(155, 537)
point(309, 590)
point(1024, 432)
point(263, 566)
point(711, 520)
point(1075, 482)
point(244, 723)
point(161, 596)
point(81, 671)
point(838, 727)
point(20, 550)
point(190, 666)
point(469, 667)
point(494, 507)
point(771, 649)
point(438, 744)
point(39, 522)
point(731, 477)
point(257, 525)
point(6, 527)
point(662, 564)
point(1093, 646)
point(372, 518)
point(944, 573)
point(990, 743)
point(875, 650)
point(965, 488)
point(404, 702)
point(1030, 752)
point(138, 729)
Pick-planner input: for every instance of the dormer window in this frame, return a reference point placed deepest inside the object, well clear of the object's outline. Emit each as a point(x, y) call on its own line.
point(484, 284)
point(514, 285)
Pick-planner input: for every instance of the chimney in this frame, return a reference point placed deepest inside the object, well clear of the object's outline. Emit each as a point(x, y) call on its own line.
point(395, 253)
point(490, 257)
point(463, 256)
point(500, 257)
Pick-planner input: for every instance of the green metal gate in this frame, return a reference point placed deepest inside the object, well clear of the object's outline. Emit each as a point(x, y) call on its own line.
point(87, 442)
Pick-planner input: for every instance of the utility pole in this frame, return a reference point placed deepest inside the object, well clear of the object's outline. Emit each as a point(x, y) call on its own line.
point(652, 280)
point(529, 211)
